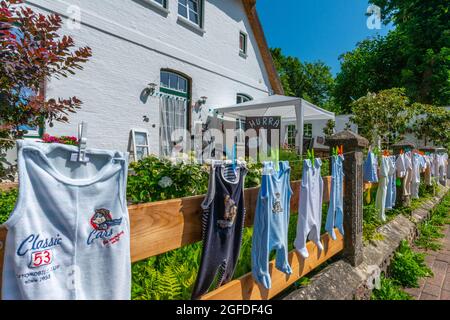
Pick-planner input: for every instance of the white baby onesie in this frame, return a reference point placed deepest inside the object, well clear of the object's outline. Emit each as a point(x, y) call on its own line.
point(310, 207)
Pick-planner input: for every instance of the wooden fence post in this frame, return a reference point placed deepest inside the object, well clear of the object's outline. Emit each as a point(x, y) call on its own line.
point(402, 200)
point(353, 192)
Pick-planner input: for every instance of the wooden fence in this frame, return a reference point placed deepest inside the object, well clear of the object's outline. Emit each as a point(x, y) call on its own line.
point(163, 226)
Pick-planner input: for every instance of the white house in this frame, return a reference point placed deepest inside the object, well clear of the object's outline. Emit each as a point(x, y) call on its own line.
point(159, 65)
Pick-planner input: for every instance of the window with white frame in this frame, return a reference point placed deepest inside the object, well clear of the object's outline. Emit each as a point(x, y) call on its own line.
point(242, 43)
point(242, 97)
point(307, 130)
point(191, 10)
point(140, 144)
point(173, 111)
point(162, 3)
point(291, 135)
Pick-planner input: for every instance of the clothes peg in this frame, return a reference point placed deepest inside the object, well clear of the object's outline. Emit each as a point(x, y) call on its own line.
point(82, 133)
point(341, 150)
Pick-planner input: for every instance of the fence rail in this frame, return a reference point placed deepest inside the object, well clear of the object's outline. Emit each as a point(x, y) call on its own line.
point(163, 226)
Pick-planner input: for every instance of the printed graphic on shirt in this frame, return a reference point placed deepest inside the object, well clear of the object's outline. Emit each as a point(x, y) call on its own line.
point(102, 223)
point(230, 213)
point(277, 208)
point(38, 252)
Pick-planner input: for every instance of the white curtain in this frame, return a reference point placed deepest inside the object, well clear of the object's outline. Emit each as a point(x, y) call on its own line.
point(173, 117)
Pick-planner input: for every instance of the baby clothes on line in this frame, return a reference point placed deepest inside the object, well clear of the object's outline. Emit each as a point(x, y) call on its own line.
point(391, 194)
point(380, 202)
point(427, 175)
point(442, 170)
point(400, 166)
point(408, 175)
point(417, 166)
point(335, 215)
point(370, 168)
point(272, 222)
point(69, 236)
point(222, 226)
point(310, 207)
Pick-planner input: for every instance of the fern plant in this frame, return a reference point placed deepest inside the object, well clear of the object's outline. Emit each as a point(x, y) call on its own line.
point(408, 266)
point(389, 290)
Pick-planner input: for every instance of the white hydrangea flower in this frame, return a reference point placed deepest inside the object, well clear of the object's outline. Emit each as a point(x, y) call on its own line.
point(165, 182)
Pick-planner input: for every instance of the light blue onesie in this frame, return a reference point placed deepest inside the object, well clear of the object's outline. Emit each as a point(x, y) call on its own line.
point(68, 236)
point(335, 215)
point(370, 168)
point(272, 222)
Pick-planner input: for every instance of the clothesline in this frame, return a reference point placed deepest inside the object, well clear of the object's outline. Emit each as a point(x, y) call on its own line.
point(345, 153)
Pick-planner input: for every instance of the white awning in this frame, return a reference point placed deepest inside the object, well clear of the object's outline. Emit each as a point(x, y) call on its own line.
point(288, 108)
point(277, 105)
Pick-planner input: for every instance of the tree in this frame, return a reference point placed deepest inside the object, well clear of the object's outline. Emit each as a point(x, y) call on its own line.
point(31, 52)
point(383, 116)
point(416, 55)
point(329, 129)
point(311, 81)
point(432, 125)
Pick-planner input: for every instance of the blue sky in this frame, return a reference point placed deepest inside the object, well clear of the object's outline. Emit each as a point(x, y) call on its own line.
point(316, 29)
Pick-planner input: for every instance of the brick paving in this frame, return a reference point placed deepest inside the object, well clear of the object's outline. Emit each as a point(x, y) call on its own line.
point(437, 287)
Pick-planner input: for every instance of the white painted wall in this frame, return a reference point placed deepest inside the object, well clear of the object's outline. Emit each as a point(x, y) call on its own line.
point(342, 121)
point(131, 42)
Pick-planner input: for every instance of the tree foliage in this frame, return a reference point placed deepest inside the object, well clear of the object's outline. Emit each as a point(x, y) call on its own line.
point(415, 56)
point(31, 52)
point(310, 81)
point(384, 115)
point(432, 125)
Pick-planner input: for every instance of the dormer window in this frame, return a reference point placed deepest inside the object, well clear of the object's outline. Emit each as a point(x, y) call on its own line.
point(162, 3)
point(243, 44)
point(191, 10)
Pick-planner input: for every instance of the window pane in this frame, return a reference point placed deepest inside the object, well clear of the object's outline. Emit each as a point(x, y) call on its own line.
point(193, 5)
point(242, 42)
point(193, 17)
point(182, 10)
point(141, 152)
point(141, 138)
point(182, 85)
point(173, 81)
point(161, 2)
point(165, 79)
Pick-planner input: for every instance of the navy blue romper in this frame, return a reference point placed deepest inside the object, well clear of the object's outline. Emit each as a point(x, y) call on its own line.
point(223, 221)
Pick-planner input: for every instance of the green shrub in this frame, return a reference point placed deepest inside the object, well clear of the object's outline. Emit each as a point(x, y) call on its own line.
point(408, 266)
point(389, 290)
point(156, 179)
point(7, 203)
point(430, 231)
point(371, 223)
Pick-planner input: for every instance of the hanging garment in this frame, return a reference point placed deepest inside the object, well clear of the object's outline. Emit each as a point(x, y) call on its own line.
point(310, 207)
point(408, 175)
point(427, 175)
point(380, 201)
point(223, 223)
point(400, 166)
point(272, 222)
point(442, 163)
point(335, 215)
point(370, 168)
point(391, 194)
point(417, 166)
point(68, 237)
